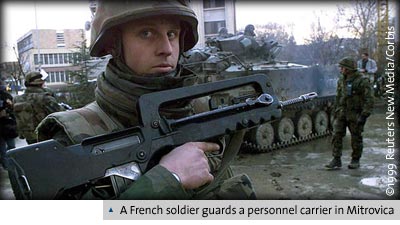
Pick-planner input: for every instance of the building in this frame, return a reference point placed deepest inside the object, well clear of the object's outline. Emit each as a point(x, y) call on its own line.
point(55, 51)
point(213, 15)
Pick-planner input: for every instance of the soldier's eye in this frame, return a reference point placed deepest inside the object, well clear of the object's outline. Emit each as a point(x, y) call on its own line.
point(145, 34)
point(173, 34)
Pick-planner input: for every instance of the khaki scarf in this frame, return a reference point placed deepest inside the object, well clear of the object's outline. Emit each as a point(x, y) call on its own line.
point(119, 88)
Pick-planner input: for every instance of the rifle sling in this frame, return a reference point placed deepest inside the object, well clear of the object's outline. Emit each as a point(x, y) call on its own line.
point(229, 154)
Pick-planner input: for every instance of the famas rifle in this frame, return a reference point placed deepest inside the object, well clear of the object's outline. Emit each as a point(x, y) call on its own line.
point(45, 170)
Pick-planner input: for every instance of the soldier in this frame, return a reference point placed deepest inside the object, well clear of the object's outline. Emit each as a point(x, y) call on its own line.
point(353, 105)
point(33, 106)
point(7, 122)
point(249, 30)
point(146, 40)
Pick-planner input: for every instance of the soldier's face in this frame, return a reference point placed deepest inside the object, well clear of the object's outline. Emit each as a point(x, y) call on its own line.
point(343, 70)
point(151, 45)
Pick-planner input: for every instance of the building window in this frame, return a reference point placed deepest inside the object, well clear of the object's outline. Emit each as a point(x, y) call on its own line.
point(65, 58)
point(58, 76)
point(46, 59)
point(36, 59)
point(60, 39)
point(55, 58)
point(213, 3)
point(25, 44)
point(51, 59)
point(70, 58)
point(213, 27)
point(60, 58)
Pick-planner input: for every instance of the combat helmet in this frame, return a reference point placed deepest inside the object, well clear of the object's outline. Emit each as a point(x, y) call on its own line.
point(34, 79)
point(348, 63)
point(110, 14)
point(249, 30)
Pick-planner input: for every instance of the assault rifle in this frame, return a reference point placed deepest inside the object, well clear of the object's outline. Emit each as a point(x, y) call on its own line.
point(45, 170)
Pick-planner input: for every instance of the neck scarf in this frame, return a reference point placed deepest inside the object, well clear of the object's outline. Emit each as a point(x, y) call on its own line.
point(119, 88)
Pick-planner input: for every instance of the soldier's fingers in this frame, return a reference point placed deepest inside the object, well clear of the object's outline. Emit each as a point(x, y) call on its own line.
point(210, 178)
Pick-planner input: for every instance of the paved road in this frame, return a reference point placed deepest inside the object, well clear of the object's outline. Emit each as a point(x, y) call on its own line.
point(298, 172)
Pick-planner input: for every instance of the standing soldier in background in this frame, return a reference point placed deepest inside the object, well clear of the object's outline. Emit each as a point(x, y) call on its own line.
point(8, 130)
point(33, 106)
point(249, 30)
point(353, 105)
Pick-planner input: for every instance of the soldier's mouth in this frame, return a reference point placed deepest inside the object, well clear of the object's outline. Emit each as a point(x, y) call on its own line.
point(162, 68)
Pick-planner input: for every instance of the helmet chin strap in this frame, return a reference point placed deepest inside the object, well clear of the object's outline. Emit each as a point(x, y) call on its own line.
point(182, 40)
point(117, 50)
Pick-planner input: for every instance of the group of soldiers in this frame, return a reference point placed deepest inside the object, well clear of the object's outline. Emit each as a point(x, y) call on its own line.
point(146, 41)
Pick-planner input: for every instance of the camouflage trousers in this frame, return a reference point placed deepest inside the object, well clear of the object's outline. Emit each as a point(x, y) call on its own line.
point(356, 136)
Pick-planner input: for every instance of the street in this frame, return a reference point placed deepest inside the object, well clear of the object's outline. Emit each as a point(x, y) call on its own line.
point(298, 172)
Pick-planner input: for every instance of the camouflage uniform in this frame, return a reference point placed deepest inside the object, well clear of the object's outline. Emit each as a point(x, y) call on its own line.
point(354, 103)
point(33, 106)
point(7, 123)
point(115, 108)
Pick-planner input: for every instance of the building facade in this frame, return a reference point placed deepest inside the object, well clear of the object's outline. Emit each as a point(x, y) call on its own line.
point(213, 15)
point(55, 51)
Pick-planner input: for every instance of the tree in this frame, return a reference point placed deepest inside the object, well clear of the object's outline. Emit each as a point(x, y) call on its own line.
point(361, 20)
point(273, 31)
point(278, 32)
point(82, 91)
point(323, 47)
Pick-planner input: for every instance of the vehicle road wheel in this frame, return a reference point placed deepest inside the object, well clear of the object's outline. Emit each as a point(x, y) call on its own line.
point(321, 122)
point(303, 125)
point(285, 130)
point(262, 135)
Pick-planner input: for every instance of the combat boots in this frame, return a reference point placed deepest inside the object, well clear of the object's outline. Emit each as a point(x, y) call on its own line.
point(336, 163)
point(354, 164)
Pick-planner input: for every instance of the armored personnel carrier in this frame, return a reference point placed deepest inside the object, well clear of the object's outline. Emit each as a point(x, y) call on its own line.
point(242, 55)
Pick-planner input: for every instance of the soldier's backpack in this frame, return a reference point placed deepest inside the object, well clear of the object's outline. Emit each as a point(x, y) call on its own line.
point(29, 111)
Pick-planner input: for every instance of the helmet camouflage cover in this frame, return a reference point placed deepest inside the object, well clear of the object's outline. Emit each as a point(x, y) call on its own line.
point(348, 63)
point(34, 79)
point(110, 14)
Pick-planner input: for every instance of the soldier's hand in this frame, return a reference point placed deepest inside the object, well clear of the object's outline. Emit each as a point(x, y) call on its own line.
point(189, 162)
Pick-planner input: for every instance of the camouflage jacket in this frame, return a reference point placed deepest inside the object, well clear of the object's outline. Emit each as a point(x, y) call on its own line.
point(158, 183)
point(31, 108)
point(354, 96)
point(5, 106)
